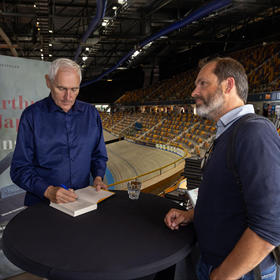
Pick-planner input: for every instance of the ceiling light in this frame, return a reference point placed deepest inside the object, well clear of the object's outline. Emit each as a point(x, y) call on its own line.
point(34, 6)
point(115, 8)
point(136, 53)
point(148, 45)
point(84, 58)
point(50, 31)
point(42, 54)
point(109, 80)
point(105, 22)
point(41, 50)
point(50, 45)
point(121, 2)
point(87, 49)
point(50, 55)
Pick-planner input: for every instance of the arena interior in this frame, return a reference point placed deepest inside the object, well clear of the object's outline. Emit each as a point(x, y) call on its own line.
point(167, 126)
point(139, 63)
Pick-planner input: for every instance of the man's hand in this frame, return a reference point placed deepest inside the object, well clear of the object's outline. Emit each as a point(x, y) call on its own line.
point(176, 218)
point(99, 184)
point(60, 195)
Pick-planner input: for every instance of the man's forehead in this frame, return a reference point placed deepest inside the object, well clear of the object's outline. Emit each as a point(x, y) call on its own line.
point(209, 67)
point(66, 71)
point(66, 87)
point(64, 77)
point(206, 71)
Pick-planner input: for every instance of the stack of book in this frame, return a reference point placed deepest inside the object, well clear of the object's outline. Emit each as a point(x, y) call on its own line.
point(192, 172)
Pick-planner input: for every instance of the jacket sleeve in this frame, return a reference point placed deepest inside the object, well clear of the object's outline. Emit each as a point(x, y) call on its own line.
point(258, 162)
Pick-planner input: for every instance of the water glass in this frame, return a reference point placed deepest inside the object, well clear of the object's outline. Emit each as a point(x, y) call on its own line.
point(133, 189)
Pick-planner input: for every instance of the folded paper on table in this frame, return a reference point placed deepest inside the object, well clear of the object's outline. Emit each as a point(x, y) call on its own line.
point(193, 193)
point(87, 201)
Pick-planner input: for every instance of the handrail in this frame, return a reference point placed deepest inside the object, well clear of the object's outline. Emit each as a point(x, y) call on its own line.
point(136, 177)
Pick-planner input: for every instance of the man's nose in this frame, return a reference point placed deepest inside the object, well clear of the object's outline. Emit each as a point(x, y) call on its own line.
point(67, 94)
point(195, 92)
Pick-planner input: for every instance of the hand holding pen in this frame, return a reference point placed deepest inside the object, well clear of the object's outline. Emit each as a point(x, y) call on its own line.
point(60, 194)
point(71, 190)
point(64, 187)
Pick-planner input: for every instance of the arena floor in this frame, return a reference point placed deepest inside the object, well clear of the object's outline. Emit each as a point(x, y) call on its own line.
point(126, 160)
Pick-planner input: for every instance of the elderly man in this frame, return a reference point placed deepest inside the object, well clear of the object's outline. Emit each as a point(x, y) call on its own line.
point(60, 141)
point(232, 245)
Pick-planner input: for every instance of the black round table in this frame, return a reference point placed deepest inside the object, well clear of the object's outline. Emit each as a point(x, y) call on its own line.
point(121, 239)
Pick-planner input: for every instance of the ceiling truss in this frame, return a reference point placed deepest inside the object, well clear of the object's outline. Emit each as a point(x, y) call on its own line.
point(46, 30)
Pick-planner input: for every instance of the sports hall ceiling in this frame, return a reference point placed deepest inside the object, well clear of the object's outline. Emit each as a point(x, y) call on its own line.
point(46, 30)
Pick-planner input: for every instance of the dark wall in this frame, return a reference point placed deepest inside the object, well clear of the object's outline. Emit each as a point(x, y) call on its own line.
point(108, 92)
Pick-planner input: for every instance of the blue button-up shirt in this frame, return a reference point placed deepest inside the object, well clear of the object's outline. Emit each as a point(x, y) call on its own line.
point(54, 147)
point(229, 118)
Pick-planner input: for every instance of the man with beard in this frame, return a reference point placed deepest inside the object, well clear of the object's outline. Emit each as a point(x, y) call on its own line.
point(232, 246)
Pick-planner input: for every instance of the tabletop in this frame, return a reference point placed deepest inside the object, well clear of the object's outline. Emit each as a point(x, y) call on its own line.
point(121, 239)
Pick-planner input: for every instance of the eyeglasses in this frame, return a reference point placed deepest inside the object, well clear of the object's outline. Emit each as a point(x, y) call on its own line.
point(208, 155)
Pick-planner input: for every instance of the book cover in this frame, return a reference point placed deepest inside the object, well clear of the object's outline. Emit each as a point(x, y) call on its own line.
point(88, 198)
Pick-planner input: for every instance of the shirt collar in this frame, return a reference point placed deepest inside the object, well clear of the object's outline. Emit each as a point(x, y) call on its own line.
point(53, 107)
point(229, 118)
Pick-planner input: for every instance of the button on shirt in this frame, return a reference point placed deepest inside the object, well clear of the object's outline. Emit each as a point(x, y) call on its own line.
point(54, 147)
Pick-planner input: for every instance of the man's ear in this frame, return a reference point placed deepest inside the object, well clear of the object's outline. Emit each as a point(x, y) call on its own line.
point(229, 84)
point(48, 81)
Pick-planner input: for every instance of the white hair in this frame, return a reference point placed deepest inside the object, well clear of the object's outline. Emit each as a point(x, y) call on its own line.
point(64, 64)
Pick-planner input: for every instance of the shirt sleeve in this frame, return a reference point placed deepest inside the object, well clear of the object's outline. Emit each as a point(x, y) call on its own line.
point(258, 162)
point(99, 153)
point(23, 171)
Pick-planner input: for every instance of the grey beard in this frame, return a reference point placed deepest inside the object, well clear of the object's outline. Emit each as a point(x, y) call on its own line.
point(212, 109)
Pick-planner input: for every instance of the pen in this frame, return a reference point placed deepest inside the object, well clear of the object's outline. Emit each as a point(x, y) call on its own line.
point(63, 186)
point(66, 188)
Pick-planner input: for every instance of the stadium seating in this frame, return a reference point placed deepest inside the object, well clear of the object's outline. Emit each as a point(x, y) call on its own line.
point(181, 130)
point(261, 63)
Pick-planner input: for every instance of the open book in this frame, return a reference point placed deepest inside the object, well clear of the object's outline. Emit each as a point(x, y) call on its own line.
point(87, 201)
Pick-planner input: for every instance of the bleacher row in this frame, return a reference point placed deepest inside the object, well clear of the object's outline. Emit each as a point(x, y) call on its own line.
point(185, 130)
point(261, 63)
